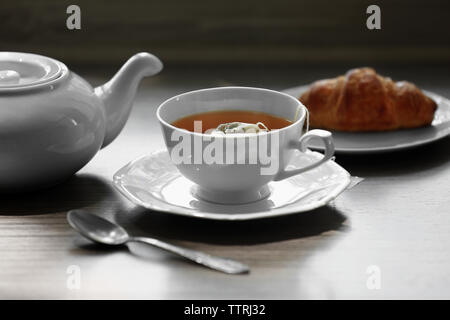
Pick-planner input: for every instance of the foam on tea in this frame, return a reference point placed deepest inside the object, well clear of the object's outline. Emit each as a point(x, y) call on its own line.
point(232, 121)
point(240, 127)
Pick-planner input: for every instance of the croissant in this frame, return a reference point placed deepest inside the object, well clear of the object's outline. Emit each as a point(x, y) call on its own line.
point(365, 101)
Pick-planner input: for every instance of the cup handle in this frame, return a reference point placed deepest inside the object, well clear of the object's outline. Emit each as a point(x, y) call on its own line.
point(327, 139)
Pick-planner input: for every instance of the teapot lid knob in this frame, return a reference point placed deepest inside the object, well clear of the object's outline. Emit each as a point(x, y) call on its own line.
point(9, 77)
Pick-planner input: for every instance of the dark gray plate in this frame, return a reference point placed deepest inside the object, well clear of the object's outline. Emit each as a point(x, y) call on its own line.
point(377, 142)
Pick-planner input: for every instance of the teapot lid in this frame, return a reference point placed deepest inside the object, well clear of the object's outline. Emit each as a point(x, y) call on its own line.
point(23, 70)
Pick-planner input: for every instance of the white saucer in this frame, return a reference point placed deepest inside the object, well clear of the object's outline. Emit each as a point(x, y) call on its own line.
point(153, 182)
point(376, 142)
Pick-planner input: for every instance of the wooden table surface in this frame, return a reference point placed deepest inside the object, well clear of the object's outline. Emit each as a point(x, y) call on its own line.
point(397, 219)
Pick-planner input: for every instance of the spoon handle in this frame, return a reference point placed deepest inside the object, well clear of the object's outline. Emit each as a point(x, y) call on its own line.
point(217, 263)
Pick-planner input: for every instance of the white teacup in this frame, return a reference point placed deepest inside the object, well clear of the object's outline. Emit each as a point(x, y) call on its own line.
point(240, 167)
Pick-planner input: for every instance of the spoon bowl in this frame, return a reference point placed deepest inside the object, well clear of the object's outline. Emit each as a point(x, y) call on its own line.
point(96, 228)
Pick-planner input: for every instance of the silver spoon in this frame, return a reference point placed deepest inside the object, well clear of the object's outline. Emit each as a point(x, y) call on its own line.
point(103, 231)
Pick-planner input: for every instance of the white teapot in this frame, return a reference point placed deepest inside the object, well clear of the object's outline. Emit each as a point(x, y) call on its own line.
point(52, 122)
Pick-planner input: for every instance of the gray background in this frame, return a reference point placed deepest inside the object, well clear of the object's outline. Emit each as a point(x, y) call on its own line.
point(270, 32)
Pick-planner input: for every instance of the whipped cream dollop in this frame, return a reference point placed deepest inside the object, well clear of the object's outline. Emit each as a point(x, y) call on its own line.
point(239, 127)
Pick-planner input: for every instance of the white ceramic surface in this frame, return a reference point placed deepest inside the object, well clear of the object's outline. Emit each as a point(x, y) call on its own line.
point(376, 142)
point(153, 182)
point(238, 181)
point(52, 122)
point(18, 70)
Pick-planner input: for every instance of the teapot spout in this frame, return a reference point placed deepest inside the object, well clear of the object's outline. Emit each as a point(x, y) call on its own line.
point(118, 93)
